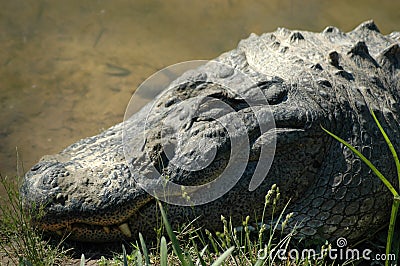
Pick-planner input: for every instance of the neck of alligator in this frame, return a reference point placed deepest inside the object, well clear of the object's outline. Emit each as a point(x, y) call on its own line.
point(91, 191)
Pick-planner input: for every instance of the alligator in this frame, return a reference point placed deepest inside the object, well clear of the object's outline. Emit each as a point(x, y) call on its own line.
point(92, 192)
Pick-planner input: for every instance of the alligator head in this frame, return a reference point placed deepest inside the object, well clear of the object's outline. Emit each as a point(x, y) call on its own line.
point(94, 192)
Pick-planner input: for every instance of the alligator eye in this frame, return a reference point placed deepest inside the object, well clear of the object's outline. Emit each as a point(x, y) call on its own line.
point(276, 94)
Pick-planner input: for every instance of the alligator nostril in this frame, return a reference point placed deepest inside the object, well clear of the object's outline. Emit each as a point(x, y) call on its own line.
point(36, 167)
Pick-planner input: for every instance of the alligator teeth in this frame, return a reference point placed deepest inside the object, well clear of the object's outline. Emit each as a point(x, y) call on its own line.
point(106, 229)
point(125, 229)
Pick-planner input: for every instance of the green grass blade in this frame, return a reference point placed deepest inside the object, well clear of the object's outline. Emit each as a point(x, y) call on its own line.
point(200, 259)
point(163, 252)
point(393, 216)
point(223, 257)
point(139, 258)
point(82, 263)
point(144, 249)
point(389, 143)
point(259, 262)
point(396, 242)
point(175, 244)
point(124, 257)
point(366, 161)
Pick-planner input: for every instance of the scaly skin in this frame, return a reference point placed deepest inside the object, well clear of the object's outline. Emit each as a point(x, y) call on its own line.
point(309, 79)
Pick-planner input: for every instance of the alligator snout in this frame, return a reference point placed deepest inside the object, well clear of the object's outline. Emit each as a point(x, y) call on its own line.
point(49, 173)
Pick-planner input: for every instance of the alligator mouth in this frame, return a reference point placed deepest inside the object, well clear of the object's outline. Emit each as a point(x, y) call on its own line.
point(60, 216)
point(90, 230)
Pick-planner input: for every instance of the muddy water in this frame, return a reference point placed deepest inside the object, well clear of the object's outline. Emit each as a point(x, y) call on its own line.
point(68, 68)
